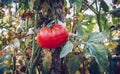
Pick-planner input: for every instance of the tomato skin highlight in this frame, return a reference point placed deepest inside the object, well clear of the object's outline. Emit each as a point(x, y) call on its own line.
point(52, 37)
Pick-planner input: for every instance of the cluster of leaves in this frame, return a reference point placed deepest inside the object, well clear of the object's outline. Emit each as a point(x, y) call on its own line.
point(84, 27)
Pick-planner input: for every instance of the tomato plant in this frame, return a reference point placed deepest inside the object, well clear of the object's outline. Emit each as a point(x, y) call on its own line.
point(29, 46)
point(52, 37)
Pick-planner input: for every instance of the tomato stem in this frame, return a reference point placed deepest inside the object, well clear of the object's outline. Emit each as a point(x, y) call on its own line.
point(57, 62)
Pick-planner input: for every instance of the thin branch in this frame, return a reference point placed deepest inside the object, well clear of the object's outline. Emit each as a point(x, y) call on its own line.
point(90, 7)
point(96, 4)
point(98, 15)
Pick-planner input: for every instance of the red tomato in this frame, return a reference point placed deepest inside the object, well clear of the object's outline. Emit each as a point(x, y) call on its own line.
point(52, 37)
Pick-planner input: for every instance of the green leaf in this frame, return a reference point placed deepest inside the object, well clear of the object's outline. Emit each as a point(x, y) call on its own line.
point(97, 36)
point(25, 5)
point(115, 12)
point(73, 1)
point(45, 68)
point(65, 3)
point(104, 6)
point(27, 41)
point(88, 25)
point(73, 61)
point(89, 49)
point(79, 30)
point(103, 21)
point(1, 45)
point(115, 20)
point(16, 43)
point(77, 4)
point(66, 49)
point(99, 52)
point(102, 54)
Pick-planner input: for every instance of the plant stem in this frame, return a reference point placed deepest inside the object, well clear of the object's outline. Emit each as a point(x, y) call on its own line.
point(27, 24)
point(98, 15)
point(32, 63)
point(56, 62)
point(91, 7)
point(36, 61)
point(14, 61)
point(105, 23)
point(98, 21)
point(96, 4)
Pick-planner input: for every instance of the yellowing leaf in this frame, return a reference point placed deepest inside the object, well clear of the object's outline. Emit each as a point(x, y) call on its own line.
point(77, 72)
point(113, 32)
point(80, 16)
point(5, 19)
point(111, 46)
point(12, 50)
point(21, 11)
point(6, 62)
point(68, 26)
